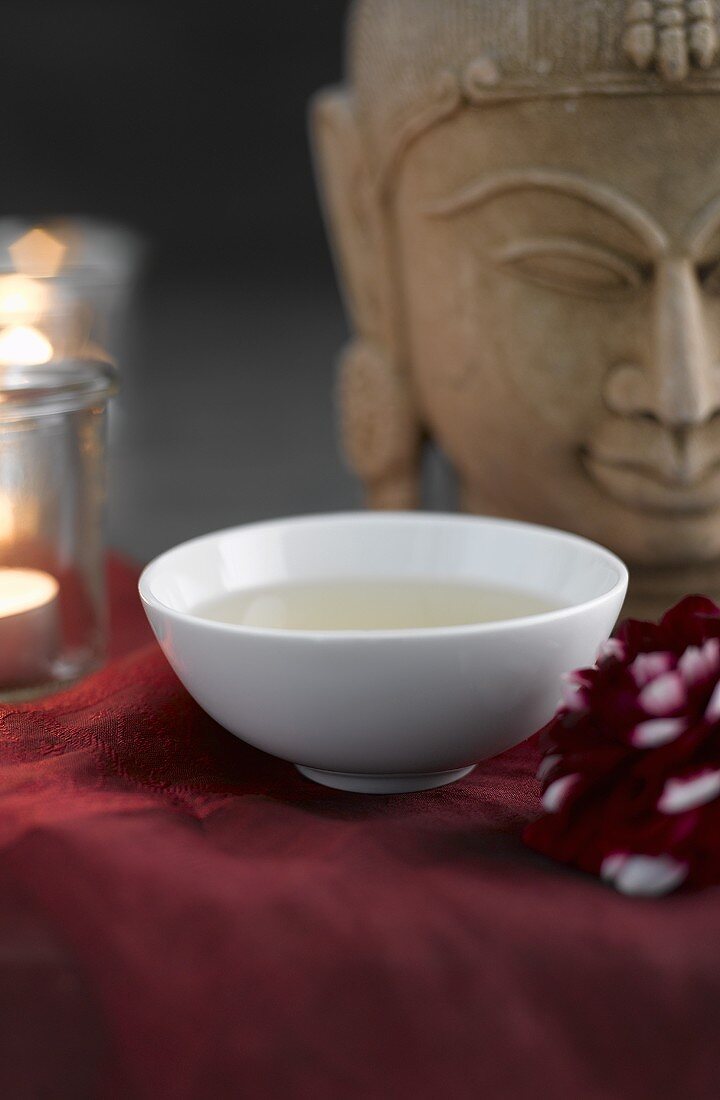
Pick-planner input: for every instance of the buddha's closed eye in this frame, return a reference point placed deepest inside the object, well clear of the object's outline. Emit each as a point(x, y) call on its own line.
point(571, 266)
point(709, 275)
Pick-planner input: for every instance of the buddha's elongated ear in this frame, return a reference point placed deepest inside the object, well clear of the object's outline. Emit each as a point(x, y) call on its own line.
point(380, 426)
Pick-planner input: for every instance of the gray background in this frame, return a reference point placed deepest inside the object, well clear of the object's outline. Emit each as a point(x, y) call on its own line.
point(190, 127)
point(225, 411)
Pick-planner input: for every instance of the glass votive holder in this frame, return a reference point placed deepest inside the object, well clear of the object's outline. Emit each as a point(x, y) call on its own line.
point(52, 494)
point(65, 286)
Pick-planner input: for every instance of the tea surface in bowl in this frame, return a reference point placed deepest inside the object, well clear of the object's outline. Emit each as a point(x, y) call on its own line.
point(363, 604)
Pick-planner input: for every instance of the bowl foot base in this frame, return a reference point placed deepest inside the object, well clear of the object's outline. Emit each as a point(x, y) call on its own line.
point(383, 784)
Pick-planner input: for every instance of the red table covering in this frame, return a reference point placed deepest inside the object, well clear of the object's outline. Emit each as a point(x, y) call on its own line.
point(182, 916)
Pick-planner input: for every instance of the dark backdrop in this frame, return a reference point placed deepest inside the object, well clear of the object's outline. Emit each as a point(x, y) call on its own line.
point(189, 123)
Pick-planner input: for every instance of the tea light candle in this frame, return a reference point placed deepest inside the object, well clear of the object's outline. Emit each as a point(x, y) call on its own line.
point(23, 302)
point(29, 626)
point(52, 461)
point(24, 346)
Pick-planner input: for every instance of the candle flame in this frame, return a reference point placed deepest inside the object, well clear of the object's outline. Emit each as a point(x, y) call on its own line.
point(24, 346)
point(24, 590)
point(21, 299)
point(7, 520)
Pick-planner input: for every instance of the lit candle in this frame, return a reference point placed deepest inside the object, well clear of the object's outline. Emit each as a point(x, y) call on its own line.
point(24, 346)
point(23, 301)
point(29, 627)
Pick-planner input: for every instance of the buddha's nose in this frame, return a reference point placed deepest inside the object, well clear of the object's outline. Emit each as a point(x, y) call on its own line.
point(680, 386)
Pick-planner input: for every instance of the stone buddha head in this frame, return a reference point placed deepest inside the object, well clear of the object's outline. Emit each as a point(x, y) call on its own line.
point(525, 200)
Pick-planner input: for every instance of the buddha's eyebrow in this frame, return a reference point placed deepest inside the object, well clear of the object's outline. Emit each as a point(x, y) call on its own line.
point(703, 226)
point(595, 194)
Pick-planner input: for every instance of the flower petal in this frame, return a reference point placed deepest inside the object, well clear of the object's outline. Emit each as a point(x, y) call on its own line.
point(657, 731)
point(680, 795)
point(555, 795)
point(574, 697)
point(648, 666)
point(663, 695)
point(691, 665)
point(611, 866)
point(648, 876)
point(547, 764)
point(613, 647)
point(699, 662)
point(712, 710)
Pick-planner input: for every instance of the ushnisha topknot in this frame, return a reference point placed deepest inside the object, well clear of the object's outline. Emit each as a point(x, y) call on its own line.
point(412, 62)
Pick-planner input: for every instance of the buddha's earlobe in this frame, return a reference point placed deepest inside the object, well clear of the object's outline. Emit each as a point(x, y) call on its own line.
point(380, 428)
point(380, 431)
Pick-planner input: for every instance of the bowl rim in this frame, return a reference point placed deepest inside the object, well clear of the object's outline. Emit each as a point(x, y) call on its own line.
point(419, 518)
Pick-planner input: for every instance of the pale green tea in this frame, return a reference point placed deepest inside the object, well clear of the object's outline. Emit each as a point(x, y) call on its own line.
point(371, 605)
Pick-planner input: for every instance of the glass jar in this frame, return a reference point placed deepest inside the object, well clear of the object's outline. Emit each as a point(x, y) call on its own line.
point(52, 494)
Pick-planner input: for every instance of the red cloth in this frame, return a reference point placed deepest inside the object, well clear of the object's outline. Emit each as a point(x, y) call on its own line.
point(184, 917)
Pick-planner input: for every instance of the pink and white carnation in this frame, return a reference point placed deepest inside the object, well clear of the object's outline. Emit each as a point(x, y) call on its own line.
point(631, 766)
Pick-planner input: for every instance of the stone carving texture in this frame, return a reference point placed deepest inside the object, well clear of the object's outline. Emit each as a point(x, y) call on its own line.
point(673, 34)
point(524, 198)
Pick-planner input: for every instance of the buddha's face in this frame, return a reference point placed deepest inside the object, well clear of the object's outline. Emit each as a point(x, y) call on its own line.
point(561, 272)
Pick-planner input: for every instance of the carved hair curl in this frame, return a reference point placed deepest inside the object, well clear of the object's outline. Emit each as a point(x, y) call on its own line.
point(672, 35)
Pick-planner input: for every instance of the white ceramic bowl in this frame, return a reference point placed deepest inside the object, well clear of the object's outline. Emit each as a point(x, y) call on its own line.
point(384, 711)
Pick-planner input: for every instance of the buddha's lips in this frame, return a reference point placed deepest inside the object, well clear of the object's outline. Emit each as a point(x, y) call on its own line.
point(666, 488)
